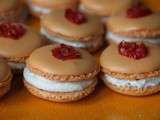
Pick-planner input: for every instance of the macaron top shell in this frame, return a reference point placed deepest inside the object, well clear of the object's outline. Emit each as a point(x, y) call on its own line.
point(5, 71)
point(149, 25)
point(59, 4)
point(111, 60)
point(106, 7)
point(55, 23)
point(7, 5)
point(43, 60)
point(21, 48)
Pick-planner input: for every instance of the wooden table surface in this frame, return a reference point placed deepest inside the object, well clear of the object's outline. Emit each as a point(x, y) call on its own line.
point(103, 104)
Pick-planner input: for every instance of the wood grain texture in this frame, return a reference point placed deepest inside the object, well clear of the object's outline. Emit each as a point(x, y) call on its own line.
point(103, 104)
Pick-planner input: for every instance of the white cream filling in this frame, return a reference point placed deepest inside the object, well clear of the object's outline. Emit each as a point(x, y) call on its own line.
point(54, 85)
point(18, 66)
point(104, 19)
point(40, 9)
point(143, 83)
point(73, 43)
point(81, 8)
point(119, 38)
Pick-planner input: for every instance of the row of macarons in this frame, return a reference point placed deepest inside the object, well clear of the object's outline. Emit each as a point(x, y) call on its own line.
point(15, 9)
point(63, 73)
point(79, 29)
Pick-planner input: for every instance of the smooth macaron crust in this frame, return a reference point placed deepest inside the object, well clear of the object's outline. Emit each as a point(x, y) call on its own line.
point(17, 41)
point(40, 7)
point(105, 7)
point(13, 10)
point(5, 78)
point(145, 28)
point(129, 76)
point(55, 79)
point(88, 35)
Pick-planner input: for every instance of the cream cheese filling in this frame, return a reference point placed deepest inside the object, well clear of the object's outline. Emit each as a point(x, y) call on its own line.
point(40, 9)
point(143, 83)
point(18, 66)
point(120, 38)
point(55, 85)
point(73, 43)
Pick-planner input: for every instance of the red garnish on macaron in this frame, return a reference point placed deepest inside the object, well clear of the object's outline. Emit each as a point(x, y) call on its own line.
point(75, 16)
point(138, 10)
point(64, 52)
point(133, 50)
point(12, 30)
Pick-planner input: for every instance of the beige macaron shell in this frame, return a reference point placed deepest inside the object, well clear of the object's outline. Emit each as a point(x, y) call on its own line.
point(123, 25)
point(10, 48)
point(56, 23)
point(7, 5)
point(4, 71)
point(43, 60)
point(55, 3)
point(114, 62)
point(106, 7)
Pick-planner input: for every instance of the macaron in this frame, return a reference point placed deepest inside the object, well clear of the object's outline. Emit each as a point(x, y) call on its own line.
point(13, 10)
point(73, 28)
point(137, 23)
point(60, 73)
point(104, 8)
point(39, 7)
point(17, 41)
point(131, 68)
point(5, 77)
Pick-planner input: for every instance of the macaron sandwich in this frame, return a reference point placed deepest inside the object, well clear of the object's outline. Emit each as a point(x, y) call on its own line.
point(39, 7)
point(60, 73)
point(5, 77)
point(13, 10)
point(104, 8)
point(131, 68)
point(73, 28)
point(137, 23)
point(17, 41)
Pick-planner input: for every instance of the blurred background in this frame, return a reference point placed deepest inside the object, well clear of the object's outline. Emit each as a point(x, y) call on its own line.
point(153, 4)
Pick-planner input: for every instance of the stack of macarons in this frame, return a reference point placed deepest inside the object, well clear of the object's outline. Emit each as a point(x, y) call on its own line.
point(137, 23)
point(5, 78)
point(61, 73)
point(39, 7)
point(17, 41)
point(14, 10)
point(73, 28)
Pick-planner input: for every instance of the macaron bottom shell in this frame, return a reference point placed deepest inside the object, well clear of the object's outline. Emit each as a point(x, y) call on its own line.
point(18, 15)
point(5, 86)
point(4, 90)
point(55, 90)
point(60, 96)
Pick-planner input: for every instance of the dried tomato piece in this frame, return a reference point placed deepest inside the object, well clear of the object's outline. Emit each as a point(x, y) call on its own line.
point(138, 10)
point(75, 16)
point(12, 30)
point(64, 52)
point(133, 50)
